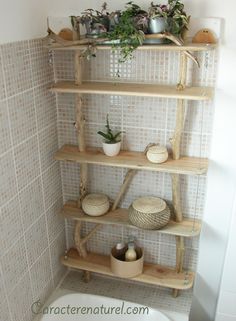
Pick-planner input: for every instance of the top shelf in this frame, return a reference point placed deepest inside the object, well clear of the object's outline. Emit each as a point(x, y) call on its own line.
point(83, 43)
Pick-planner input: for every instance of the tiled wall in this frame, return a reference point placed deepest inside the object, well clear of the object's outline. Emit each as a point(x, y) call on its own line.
point(32, 234)
point(144, 120)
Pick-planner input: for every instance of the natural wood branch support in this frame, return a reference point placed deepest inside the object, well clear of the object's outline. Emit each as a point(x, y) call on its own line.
point(176, 141)
point(80, 124)
point(176, 200)
point(90, 234)
point(128, 178)
point(180, 249)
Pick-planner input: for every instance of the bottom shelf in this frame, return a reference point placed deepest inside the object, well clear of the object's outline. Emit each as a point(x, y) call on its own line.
point(152, 274)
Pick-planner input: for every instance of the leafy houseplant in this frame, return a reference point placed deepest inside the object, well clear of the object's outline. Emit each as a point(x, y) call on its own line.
point(130, 30)
point(174, 15)
point(96, 22)
point(112, 141)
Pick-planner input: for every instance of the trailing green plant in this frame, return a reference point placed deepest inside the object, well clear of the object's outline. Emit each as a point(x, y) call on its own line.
point(110, 136)
point(176, 18)
point(129, 31)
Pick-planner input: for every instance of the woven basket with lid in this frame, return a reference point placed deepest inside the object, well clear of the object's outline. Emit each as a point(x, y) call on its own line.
point(95, 204)
point(151, 213)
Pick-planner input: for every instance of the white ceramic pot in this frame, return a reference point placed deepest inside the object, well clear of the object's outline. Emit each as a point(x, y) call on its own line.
point(111, 149)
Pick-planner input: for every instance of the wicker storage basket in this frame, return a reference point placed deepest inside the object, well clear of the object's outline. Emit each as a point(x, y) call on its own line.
point(151, 213)
point(95, 204)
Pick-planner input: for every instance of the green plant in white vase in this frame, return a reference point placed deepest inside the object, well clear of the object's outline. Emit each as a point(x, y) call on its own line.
point(112, 140)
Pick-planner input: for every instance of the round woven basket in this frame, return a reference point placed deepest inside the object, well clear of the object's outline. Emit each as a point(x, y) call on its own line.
point(151, 213)
point(95, 204)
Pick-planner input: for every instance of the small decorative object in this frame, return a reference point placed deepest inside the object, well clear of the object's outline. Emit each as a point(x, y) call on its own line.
point(151, 213)
point(127, 269)
point(204, 36)
point(66, 34)
point(156, 154)
point(130, 254)
point(121, 249)
point(112, 143)
point(95, 204)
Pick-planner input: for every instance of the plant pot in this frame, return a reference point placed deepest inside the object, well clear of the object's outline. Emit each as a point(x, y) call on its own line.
point(111, 149)
point(156, 25)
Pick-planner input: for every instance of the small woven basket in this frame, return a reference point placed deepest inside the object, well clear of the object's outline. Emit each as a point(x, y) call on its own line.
point(151, 213)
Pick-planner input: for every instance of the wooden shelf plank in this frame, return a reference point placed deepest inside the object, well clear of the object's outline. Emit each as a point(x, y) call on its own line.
point(131, 89)
point(152, 274)
point(134, 160)
point(188, 46)
point(186, 228)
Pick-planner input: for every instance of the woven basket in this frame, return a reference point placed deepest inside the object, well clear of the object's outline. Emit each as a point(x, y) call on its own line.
point(95, 204)
point(151, 213)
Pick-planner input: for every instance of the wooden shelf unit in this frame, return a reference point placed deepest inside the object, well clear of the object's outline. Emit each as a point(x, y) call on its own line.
point(186, 228)
point(133, 160)
point(131, 89)
point(181, 228)
point(152, 274)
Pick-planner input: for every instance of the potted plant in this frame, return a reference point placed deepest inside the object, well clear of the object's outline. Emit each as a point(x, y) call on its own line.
point(96, 22)
point(130, 32)
point(112, 141)
point(157, 18)
point(170, 17)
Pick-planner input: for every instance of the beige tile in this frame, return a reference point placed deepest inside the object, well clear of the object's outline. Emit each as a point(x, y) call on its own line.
point(5, 313)
point(11, 226)
point(8, 187)
point(57, 248)
point(48, 145)
point(55, 220)
point(70, 178)
point(31, 201)
point(22, 117)
point(66, 107)
point(2, 292)
point(17, 69)
point(5, 142)
point(45, 105)
point(36, 240)
point(41, 275)
point(64, 70)
point(52, 187)
point(42, 72)
point(21, 298)
point(59, 274)
point(27, 162)
point(2, 82)
point(14, 264)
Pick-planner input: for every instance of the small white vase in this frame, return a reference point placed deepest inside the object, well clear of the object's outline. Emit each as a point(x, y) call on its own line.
point(111, 149)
